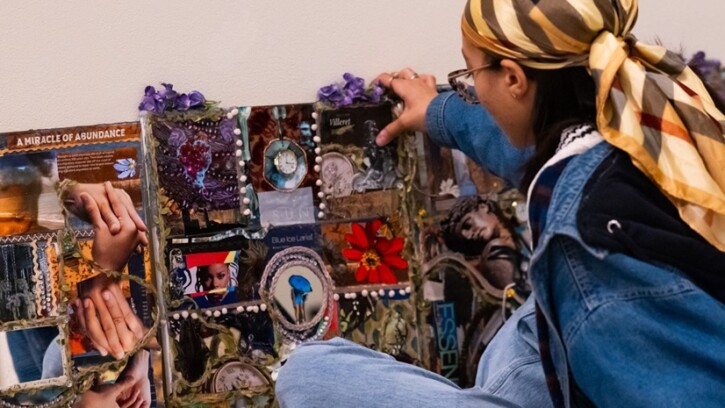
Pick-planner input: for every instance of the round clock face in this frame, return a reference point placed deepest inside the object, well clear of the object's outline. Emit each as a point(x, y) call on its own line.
point(285, 165)
point(286, 162)
point(336, 174)
point(236, 375)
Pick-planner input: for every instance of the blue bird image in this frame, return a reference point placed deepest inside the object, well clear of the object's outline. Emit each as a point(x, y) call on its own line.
point(300, 288)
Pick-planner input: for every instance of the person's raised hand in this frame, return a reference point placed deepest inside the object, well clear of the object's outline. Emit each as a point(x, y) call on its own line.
point(417, 91)
point(98, 192)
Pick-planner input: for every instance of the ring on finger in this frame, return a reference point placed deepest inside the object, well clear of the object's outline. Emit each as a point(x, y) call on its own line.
point(395, 74)
point(415, 76)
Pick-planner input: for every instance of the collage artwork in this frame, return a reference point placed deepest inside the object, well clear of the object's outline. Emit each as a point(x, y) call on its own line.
point(268, 226)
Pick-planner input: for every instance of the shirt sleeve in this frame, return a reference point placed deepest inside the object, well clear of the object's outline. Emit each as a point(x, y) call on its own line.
point(455, 124)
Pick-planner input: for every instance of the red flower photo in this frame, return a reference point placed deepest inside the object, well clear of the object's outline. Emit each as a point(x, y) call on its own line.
point(376, 254)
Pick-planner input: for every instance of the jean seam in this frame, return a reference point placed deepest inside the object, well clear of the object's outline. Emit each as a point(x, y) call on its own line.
point(436, 122)
point(441, 120)
point(580, 280)
point(512, 368)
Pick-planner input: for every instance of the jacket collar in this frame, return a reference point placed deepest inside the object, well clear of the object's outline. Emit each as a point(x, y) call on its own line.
point(567, 195)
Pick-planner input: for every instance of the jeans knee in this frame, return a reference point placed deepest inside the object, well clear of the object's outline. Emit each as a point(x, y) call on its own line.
point(312, 368)
point(302, 370)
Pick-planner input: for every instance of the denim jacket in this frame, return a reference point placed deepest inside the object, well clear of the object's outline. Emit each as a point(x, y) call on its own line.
point(451, 122)
point(627, 331)
point(622, 331)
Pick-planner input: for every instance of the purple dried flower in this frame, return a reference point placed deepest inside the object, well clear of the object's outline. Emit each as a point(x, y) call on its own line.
point(327, 91)
point(334, 95)
point(196, 99)
point(352, 81)
point(710, 71)
point(347, 100)
point(354, 92)
point(374, 93)
point(354, 86)
point(704, 66)
point(351, 91)
point(167, 99)
point(152, 101)
point(148, 104)
point(168, 92)
point(182, 103)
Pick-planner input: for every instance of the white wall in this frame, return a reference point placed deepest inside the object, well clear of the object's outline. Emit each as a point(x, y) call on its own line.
point(66, 63)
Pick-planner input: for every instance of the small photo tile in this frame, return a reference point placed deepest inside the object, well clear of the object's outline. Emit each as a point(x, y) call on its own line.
point(352, 163)
point(365, 253)
point(278, 145)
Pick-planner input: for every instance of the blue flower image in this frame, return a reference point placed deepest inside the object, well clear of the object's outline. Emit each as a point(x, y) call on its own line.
point(300, 288)
point(125, 168)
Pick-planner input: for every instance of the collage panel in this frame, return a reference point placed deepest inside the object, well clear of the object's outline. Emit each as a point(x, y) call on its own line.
point(474, 275)
point(29, 282)
point(39, 362)
point(493, 242)
point(85, 169)
point(28, 200)
point(225, 354)
point(382, 322)
point(280, 140)
point(57, 290)
point(212, 274)
point(87, 299)
point(28, 348)
point(20, 286)
point(193, 350)
point(365, 253)
point(298, 291)
point(458, 320)
point(445, 174)
point(253, 331)
point(212, 278)
point(197, 173)
point(352, 163)
point(280, 164)
point(359, 179)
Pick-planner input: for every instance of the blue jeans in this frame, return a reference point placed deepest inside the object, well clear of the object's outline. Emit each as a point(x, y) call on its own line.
point(339, 373)
point(27, 348)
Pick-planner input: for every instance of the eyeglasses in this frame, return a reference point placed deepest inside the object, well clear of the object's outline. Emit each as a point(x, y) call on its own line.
point(461, 81)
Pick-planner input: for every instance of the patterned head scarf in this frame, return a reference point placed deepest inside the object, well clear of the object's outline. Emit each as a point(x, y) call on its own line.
point(649, 103)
